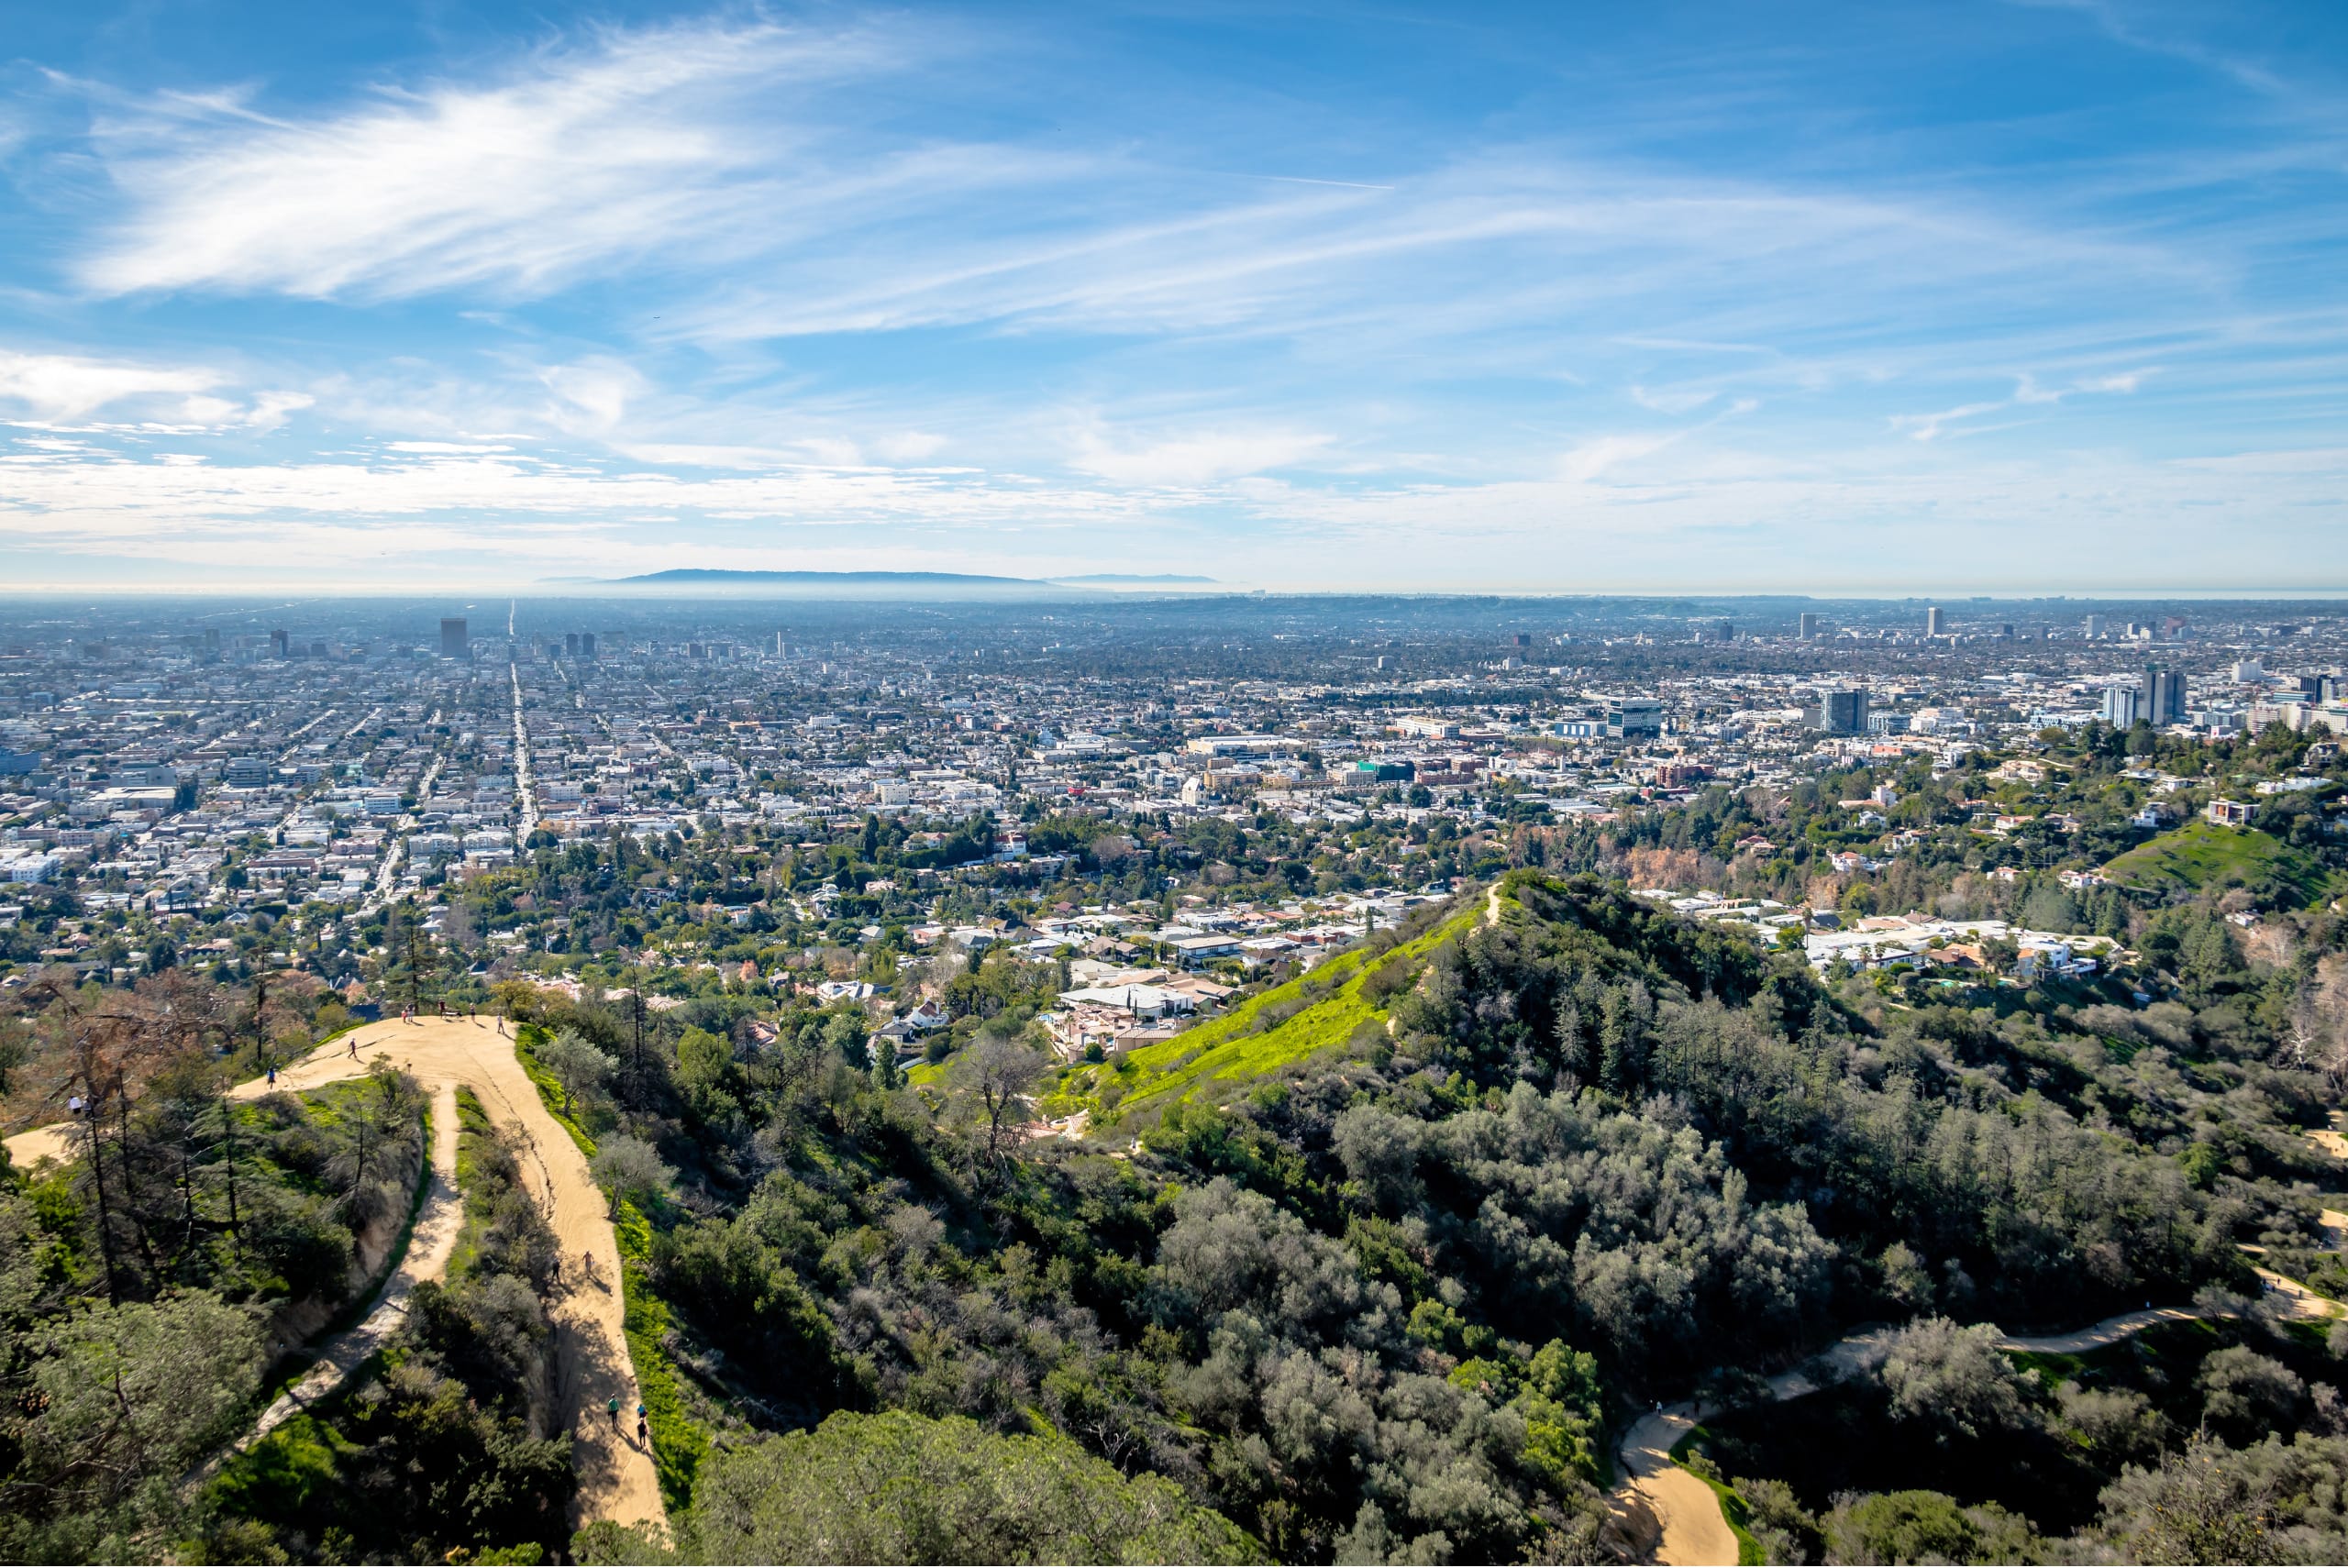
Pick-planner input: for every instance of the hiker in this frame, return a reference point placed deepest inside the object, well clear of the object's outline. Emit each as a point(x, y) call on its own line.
point(354, 1047)
point(643, 1430)
point(613, 1404)
point(273, 1074)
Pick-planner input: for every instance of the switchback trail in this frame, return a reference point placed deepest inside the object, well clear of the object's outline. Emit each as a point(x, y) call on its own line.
point(592, 1367)
point(1688, 1512)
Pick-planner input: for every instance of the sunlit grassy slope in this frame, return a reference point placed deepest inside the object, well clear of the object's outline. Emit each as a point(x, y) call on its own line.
point(2203, 855)
point(1321, 1011)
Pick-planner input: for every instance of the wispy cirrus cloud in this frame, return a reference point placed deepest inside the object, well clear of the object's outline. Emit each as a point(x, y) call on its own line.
point(2027, 392)
point(575, 160)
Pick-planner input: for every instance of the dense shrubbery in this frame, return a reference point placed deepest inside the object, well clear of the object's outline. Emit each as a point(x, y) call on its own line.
point(1375, 1309)
point(446, 1443)
point(138, 1280)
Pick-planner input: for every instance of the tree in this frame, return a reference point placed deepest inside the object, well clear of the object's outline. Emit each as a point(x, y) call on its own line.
point(632, 1169)
point(131, 1394)
point(578, 1064)
point(898, 1487)
point(1953, 1379)
point(991, 1080)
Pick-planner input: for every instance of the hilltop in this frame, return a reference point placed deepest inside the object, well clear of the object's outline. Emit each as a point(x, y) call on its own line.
point(2202, 854)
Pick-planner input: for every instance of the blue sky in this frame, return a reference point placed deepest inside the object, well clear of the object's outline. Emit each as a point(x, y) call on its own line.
point(1930, 297)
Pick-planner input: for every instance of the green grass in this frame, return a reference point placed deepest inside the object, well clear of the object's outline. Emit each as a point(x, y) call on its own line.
point(1734, 1510)
point(1223, 1056)
point(2203, 855)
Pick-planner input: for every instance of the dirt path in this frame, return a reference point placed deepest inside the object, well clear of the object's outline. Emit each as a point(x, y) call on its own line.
point(1686, 1512)
point(439, 1223)
point(615, 1475)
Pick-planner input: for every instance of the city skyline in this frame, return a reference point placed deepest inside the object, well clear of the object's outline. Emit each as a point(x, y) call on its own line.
point(2017, 298)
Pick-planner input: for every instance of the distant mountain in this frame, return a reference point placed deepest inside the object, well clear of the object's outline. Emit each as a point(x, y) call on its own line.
point(877, 585)
point(718, 575)
point(1136, 578)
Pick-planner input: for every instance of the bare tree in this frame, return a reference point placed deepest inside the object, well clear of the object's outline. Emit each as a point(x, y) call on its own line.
point(992, 1079)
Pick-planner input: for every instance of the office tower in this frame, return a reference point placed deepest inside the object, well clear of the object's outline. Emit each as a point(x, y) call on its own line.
point(2164, 696)
point(1842, 712)
point(1935, 621)
point(586, 645)
point(570, 643)
point(1809, 632)
point(1524, 639)
point(1633, 716)
point(454, 644)
point(2006, 630)
point(277, 645)
point(2095, 626)
point(2122, 706)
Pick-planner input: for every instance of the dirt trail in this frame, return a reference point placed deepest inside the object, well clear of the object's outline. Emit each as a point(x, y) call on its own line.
point(439, 1223)
point(1684, 1511)
point(615, 1474)
point(1688, 1512)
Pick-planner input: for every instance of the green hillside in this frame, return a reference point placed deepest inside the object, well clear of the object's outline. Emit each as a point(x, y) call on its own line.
point(1344, 1001)
point(2203, 855)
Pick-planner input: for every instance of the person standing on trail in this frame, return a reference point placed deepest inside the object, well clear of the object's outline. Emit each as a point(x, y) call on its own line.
point(273, 1074)
point(613, 1404)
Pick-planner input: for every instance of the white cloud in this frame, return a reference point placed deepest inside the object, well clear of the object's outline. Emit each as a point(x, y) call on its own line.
point(1673, 399)
point(1932, 426)
point(1195, 459)
point(592, 396)
point(621, 150)
point(1592, 459)
point(56, 387)
point(64, 389)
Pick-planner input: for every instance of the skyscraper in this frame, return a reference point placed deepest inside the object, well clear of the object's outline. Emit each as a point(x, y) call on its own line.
point(2095, 625)
point(1842, 712)
point(1809, 632)
point(2122, 706)
point(2164, 696)
point(278, 645)
point(570, 643)
point(586, 645)
point(1935, 621)
point(454, 644)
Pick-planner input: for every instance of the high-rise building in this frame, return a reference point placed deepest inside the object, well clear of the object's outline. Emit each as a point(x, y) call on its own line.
point(1633, 716)
point(1524, 639)
point(2164, 696)
point(454, 644)
point(1935, 621)
point(1809, 632)
point(586, 645)
point(2122, 706)
point(1843, 711)
point(2095, 626)
point(570, 643)
point(279, 646)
